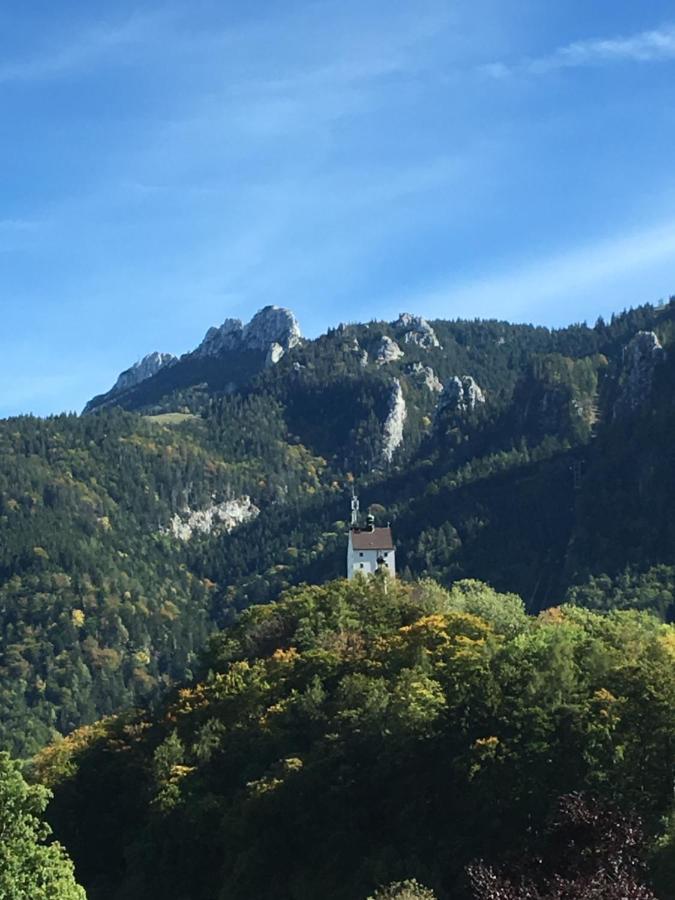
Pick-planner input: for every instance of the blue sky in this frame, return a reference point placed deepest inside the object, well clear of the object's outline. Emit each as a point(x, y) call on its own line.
point(166, 165)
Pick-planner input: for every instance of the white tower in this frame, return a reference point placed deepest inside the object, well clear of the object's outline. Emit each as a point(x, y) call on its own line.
point(355, 510)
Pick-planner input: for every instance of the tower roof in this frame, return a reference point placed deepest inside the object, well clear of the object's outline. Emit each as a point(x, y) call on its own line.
point(372, 539)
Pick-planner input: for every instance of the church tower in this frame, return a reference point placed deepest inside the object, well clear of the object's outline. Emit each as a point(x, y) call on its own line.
point(369, 548)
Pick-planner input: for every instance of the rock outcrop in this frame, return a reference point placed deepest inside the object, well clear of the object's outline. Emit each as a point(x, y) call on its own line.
point(356, 348)
point(393, 425)
point(272, 331)
point(426, 376)
point(388, 351)
point(217, 340)
point(140, 371)
point(641, 356)
point(272, 325)
point(146, 368)
point(274, 354)
point(417, 331)
point(461, 394)
point(220, 516)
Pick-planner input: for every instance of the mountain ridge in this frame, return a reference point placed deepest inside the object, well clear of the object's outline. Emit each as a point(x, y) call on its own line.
point(272, 331)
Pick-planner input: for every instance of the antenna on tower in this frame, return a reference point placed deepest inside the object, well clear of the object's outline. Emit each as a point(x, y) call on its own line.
point(355, 510)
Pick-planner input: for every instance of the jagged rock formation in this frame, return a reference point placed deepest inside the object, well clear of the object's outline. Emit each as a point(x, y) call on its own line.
point(262, 342)
point(140, 371)
point(222, 516)
point(217, 340)
point(461, 395)
point(273, 331)
point(641, 356)
point(393, 425)
point(388, 351)
point(417, 331)
point(427, 376)
point(146, 368)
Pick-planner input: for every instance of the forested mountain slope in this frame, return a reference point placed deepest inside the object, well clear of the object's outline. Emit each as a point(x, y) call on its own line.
point(539, 461)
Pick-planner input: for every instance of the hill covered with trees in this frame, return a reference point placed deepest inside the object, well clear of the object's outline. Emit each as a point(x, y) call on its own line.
point(538, 461)
point(360, 733)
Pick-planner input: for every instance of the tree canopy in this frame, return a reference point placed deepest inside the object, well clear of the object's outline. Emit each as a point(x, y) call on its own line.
point(358, 734)
point(30, 867)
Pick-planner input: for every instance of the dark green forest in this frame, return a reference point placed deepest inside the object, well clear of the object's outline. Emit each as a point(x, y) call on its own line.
point(550, 488)
point(233, 741)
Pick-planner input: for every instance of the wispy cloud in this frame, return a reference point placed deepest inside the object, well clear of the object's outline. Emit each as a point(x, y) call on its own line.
point(646, 46)
point(525, 289)
point(84, 50)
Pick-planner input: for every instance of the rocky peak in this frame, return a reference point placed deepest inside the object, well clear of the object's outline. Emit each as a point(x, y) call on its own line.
point(388, 351)
point(462, 394)
point(140, 371)
point(417, 331)
point(273, 331)
point(145, 368)
point(272, 325)
point(641, 355)
point(221, 339)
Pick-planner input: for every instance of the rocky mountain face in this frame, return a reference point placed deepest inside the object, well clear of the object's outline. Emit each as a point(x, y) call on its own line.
point(140, 371)
point(146, 368)
point(228, 356)
point(272, 331)
point(403, 375)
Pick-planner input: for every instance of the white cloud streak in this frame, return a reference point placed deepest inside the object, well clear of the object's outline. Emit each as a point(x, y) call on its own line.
point(524, 290)
point(87, 49)
point(653, 46)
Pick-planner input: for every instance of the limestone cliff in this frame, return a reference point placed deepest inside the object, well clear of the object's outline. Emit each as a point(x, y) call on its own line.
point(393, 425)
point(224, 516)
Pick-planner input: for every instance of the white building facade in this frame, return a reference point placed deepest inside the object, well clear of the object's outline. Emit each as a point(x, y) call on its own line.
point(370, 549)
